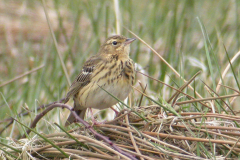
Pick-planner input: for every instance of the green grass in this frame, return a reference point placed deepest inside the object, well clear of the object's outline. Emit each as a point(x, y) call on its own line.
point(189, 34)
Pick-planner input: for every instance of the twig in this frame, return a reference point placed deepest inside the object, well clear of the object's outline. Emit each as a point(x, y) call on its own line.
point(218, 96)
point(232, 148)
point(181, 88)
point(138, 139)
point(117, 14)
point(226, 70)
point(206, 131)
point(26, 113)
point(172, 88)
point(55, 43)
point(132, 139)
point(144, 89)
point(89, 127)
point(119, 117)
point(5, 127)
point(74, 153)
point(200, 113)
point(156, 53)
point(230, 88)
point(22, 75)
point(163, 135)
point(207, 99)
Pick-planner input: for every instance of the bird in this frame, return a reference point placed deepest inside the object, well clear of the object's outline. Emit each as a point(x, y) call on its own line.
point(110, 70)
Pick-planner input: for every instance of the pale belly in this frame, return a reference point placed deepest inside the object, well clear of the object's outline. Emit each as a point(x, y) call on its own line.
point(100, 99)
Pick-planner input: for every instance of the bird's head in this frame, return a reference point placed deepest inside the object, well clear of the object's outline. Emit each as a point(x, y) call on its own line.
point(116, 45)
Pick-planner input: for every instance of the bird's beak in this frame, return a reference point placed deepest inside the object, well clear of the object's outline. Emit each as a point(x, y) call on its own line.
point(129, 40)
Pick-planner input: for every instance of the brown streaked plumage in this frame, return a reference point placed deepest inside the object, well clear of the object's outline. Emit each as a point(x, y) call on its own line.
point(112, 69)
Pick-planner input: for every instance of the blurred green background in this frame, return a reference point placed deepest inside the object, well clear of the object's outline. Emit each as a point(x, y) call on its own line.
point(183, 32)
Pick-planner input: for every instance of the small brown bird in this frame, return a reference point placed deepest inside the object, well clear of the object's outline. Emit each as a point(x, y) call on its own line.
point(112, 69)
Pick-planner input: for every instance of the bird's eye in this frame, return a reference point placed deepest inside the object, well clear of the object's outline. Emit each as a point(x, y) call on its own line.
point(114, 43)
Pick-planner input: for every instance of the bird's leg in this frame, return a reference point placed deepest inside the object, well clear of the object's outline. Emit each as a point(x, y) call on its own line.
point(116, 112)
point(94, 122)
point(92, 116)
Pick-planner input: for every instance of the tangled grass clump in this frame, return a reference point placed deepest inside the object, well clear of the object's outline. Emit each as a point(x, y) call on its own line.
point(158, 136)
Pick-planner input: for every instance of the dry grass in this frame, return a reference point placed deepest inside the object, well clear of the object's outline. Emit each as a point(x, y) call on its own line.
point(160, 137)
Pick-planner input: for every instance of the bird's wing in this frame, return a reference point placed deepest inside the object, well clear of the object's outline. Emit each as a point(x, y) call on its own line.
point(84, 77)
